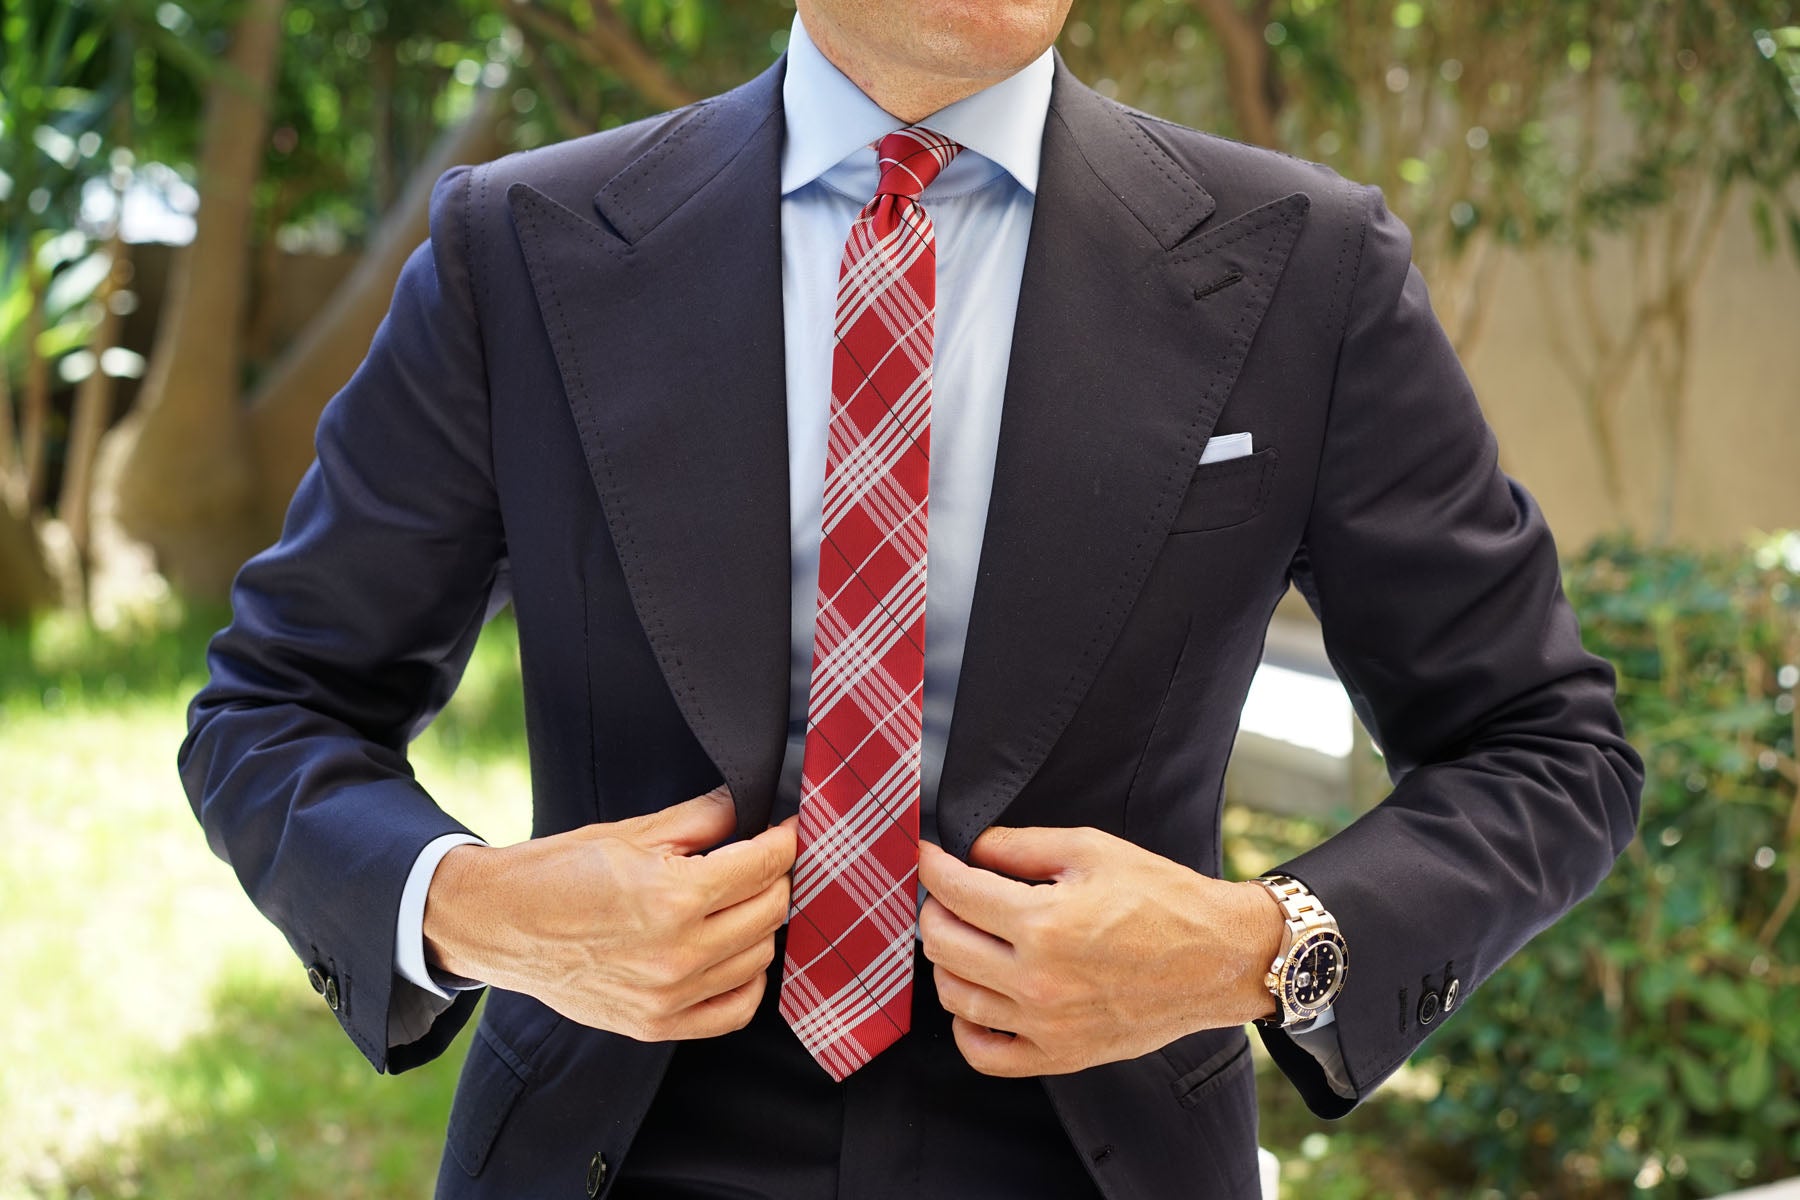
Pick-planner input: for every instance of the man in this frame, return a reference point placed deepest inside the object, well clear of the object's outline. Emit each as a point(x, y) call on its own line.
point(913, 330)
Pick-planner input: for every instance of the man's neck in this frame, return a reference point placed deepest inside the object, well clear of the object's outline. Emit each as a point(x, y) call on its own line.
point(907, 94)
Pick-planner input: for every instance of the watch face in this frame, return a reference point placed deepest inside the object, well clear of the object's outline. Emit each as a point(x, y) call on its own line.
point(1315, 973)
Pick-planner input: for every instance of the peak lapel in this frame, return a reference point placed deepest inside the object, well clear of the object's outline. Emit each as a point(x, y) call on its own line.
point(667, 329)
point(1124, 350)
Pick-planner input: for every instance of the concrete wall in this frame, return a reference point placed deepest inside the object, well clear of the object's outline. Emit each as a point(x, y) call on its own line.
point(1740, 455)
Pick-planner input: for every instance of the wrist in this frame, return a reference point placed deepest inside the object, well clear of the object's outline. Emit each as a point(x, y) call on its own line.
point(460, 911)
point(1265, 928)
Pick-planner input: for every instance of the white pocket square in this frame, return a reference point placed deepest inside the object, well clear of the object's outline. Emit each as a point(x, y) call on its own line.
point(1224, 446)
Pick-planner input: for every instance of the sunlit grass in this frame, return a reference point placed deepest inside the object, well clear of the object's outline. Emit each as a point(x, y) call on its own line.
point(159, 1036)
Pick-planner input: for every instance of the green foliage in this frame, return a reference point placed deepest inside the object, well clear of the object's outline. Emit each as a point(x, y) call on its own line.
point(1507, 120)
point(364, 89)
point(702, 46)
point(1651, 1040)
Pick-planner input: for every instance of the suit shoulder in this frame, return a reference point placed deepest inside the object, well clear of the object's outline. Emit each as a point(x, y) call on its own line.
point(676, 150)
point(571, 171)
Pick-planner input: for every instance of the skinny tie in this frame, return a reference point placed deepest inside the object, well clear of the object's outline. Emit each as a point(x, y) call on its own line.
point(847, 977)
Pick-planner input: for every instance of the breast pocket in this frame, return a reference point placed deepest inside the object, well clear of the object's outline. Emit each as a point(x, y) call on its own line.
point(1227, 493)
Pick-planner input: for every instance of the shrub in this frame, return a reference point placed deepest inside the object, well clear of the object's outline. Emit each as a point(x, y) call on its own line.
point(1649, 1043)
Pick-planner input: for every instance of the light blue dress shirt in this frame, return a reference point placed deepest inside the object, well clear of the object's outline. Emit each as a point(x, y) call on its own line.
point(981, 206)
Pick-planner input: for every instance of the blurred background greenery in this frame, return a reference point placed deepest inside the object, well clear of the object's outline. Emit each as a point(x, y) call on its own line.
point(203, 208)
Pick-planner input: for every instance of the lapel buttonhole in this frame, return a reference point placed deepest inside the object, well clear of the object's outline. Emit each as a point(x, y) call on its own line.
point(1218, 285)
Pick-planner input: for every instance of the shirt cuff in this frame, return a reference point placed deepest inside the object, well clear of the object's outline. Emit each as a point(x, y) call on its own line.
point(1319, 1038)
point(409, 930)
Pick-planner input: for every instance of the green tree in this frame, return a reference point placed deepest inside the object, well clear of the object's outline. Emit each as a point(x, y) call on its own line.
point(73, 81)
point(1513, 124)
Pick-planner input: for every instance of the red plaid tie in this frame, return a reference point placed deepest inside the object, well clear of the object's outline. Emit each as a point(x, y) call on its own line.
point(847, 979)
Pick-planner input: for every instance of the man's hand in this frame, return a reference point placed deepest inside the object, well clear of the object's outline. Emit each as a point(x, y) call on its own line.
point(1121, 952)
point(632, 926)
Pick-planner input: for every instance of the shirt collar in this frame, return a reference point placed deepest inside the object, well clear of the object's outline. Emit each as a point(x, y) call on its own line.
point(829, 119)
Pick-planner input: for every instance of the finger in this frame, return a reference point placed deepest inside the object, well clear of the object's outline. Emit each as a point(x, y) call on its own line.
point(959, 947)
point(972, 1002)
point(688, 827)
point(738, 870)
point(748, 921)
point(733, 972)
point(1000, 1054)
point(721, 1014)
point(1035, 852)
point(982, 898)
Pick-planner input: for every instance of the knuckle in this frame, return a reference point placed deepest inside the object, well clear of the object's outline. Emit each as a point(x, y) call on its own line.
point(1039, 988)
point(657, 1027)
point(931, 922)
point(1035, 929)
point(669, 968)
point(780, 898)
point(765, 954)
point(744, 1005)
point(667, 897)
point(973, 1052)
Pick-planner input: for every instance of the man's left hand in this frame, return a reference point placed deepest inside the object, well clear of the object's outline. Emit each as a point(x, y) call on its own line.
point(1118, 952)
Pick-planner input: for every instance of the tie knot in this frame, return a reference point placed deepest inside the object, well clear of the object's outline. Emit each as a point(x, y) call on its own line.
point(910, 159)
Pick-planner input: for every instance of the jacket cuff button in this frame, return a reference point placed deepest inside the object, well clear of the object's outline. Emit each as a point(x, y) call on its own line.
point(596, 1175)
point(315, 975)
point(1428, 1008)
point(331, 992)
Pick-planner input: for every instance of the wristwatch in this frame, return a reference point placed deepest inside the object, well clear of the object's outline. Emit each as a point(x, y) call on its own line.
point(1308, 972)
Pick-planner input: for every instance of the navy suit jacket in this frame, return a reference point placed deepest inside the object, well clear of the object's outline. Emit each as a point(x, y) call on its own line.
point(576, 403)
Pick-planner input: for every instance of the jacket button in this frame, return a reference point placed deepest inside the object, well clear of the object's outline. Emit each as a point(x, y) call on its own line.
point(1428, 1008)
point(315, 975)
point(596, 1176)
point(331, 993)
point(1451, 992)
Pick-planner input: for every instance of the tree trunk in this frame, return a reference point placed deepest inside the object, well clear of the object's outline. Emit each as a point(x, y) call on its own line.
point(609, 44)
point(179, 466)
point(93, 412)
point(34, 406)
point(284, 410)
point(1246, 52)
point(26, 585)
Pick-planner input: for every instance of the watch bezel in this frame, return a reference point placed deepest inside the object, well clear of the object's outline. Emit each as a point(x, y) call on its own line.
point(1293, 1010)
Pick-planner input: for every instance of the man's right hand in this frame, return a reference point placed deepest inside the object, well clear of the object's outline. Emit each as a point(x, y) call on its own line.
point(633, 926)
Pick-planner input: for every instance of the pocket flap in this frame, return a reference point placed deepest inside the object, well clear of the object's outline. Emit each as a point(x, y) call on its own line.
point(1191, 1086)
point(492, 1078)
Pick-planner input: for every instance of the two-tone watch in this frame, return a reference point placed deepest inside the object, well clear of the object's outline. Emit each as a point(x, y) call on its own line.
point(1308, 972)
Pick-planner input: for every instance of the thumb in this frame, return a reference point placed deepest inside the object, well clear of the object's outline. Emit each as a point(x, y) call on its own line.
point(1033, 852)
point(689, 827)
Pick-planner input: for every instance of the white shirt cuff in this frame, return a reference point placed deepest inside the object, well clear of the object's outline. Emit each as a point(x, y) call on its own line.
point(409, 930)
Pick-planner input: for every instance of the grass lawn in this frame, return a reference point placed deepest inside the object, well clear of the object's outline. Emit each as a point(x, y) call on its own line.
point(160, 1038)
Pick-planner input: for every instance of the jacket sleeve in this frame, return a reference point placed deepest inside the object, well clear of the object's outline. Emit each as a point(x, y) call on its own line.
point(346, 638)
point(1439, 591)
